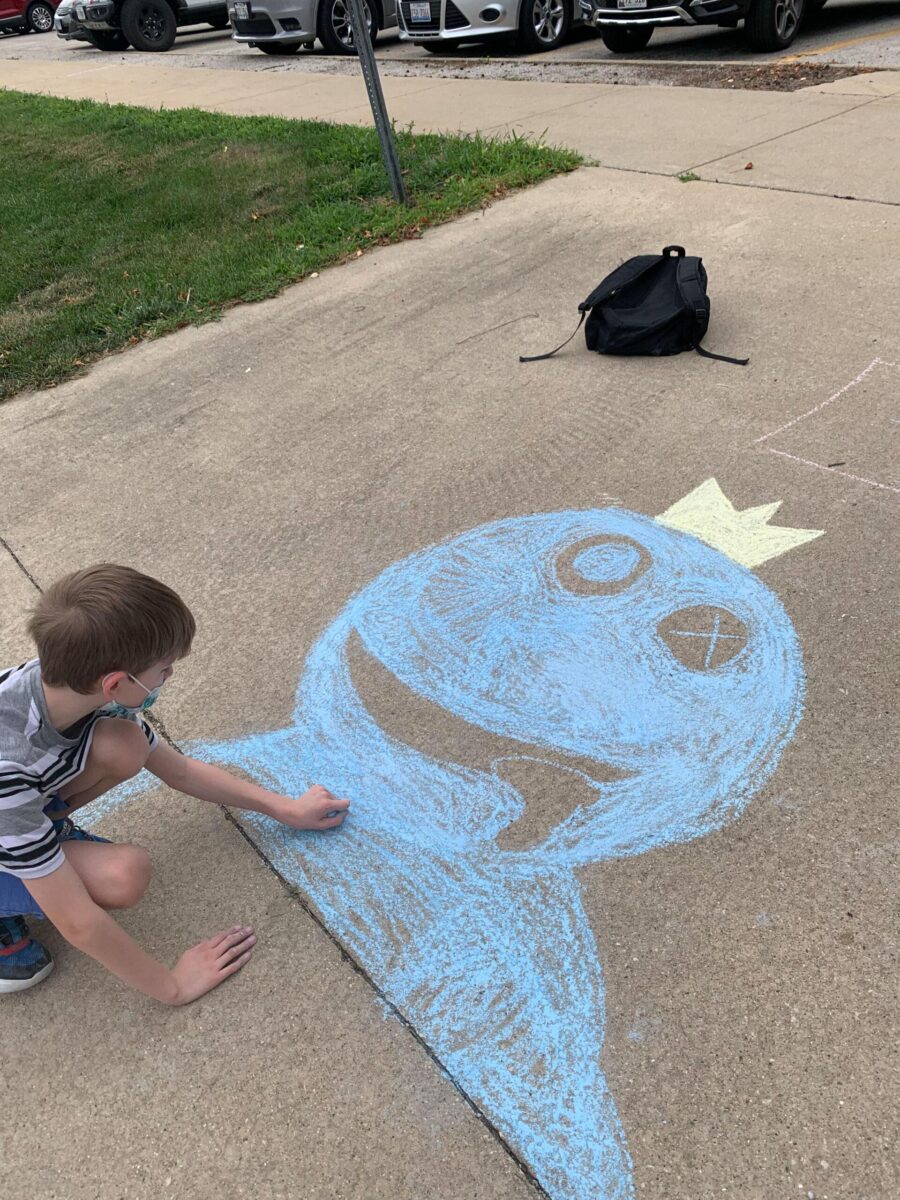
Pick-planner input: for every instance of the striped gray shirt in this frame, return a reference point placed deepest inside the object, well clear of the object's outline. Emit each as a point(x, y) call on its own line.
point(36, 760)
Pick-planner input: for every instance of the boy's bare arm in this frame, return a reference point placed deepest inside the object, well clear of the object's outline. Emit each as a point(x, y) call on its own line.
point(67, 904)
point(312, 810)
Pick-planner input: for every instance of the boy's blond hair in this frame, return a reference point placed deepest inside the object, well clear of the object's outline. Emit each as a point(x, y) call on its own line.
point(107, 618)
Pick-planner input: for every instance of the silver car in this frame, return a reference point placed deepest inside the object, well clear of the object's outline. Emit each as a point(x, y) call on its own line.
point(65, 24)
point(440, 25)
point(283, 26)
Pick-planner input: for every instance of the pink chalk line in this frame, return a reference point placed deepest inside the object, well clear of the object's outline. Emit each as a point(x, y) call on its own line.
point(833, 470)
point(846, 388)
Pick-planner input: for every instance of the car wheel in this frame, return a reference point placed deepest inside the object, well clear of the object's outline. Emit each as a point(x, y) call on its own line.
point(103, 39)
point(220, 22)
point(149, 24)
point(335, 33)
point(543, 24)
point(39, 17)
point(278, 47)
point(773, 24)
point(626, 39)
point(439, 46)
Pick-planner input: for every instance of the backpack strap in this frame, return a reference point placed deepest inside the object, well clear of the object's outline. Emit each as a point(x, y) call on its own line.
point(539, 357)
point(627, 273)
point(694, 295)
point(738, 362)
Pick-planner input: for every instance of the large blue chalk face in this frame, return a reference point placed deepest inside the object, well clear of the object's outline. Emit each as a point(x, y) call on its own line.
point(588, 640)
point(603, 634)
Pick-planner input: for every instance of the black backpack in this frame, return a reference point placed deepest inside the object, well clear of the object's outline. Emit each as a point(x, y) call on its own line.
point(652, 304)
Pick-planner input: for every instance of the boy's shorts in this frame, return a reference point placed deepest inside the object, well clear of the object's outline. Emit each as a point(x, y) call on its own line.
point(15, 898)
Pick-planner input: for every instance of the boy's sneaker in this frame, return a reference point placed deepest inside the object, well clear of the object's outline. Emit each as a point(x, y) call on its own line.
point(68, 831)
point(23, 961)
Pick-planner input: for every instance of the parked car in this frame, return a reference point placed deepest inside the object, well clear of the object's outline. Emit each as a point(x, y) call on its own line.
point(26, 16)
point(144, 24)
point(768, 24)
point(283, 26)
point(67, 27)
point(440, 25)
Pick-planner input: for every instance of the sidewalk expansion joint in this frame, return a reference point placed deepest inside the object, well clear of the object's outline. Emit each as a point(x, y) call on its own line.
point(356, 966)
point(788, 133)
point(749, 184)
point(12, 554)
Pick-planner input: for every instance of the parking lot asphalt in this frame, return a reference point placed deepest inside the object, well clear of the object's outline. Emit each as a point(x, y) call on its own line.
point(847, 32)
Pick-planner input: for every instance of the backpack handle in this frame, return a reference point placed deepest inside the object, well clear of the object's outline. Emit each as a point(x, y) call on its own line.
point(679, 250)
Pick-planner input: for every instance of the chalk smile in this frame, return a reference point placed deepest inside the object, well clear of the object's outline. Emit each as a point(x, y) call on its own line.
point(552, 785)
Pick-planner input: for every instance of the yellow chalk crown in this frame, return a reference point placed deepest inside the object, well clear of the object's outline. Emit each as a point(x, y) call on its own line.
point(746, 536)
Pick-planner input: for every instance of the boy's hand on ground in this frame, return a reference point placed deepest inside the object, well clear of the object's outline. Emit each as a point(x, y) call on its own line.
point(315, 809)
point(207, 964)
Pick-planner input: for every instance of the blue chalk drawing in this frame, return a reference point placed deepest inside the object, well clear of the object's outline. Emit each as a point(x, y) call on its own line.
point(562, 631)
point(597, 639)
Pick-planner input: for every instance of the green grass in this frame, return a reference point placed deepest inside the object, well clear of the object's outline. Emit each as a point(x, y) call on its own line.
point(120, 223)
point(689, 177)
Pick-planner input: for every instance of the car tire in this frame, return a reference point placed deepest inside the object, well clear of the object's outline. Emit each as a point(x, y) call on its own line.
point(334, 25)
point(543, 24)
point(773, 24)
point(438, 46)
point(103, 39)
point(149, 25)
point(39, 17)
point(221, 22)
point(626, 39)
point(278, 47)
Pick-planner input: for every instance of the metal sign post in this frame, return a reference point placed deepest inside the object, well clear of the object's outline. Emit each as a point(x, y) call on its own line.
point(360, 26)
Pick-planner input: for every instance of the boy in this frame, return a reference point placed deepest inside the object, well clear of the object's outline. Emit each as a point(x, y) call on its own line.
point(71, 728)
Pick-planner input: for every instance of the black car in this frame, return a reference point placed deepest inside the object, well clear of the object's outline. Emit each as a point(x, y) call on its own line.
point(143, 24)
point(627, 27)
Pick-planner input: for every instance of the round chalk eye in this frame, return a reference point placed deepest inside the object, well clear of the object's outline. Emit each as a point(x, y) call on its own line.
point(606, 563)
point(703, 636)
point(601, 565)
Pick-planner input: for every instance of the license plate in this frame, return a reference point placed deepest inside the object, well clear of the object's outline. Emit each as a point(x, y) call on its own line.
point(79, 11)
point(632, 3)
point(420, 12)
point(242, 12)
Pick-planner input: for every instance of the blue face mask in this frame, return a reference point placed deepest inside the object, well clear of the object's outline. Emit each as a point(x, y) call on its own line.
point(130, 710)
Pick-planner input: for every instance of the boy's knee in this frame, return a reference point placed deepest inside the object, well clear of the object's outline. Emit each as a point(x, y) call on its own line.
point(127, 878)
point(120, 748)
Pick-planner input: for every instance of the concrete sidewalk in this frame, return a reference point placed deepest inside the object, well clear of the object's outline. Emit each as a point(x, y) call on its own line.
point(834, 140)
point(751, 1043)
point(274, 464)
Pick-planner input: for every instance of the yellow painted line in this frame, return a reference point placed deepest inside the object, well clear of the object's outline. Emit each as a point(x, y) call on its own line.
point(857, 41)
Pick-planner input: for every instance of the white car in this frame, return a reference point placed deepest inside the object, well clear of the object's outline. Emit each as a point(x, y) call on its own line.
point(441, 25)
point(283, 26)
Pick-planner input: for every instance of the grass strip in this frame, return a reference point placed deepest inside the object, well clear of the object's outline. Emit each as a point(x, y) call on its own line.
point(124, 223)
